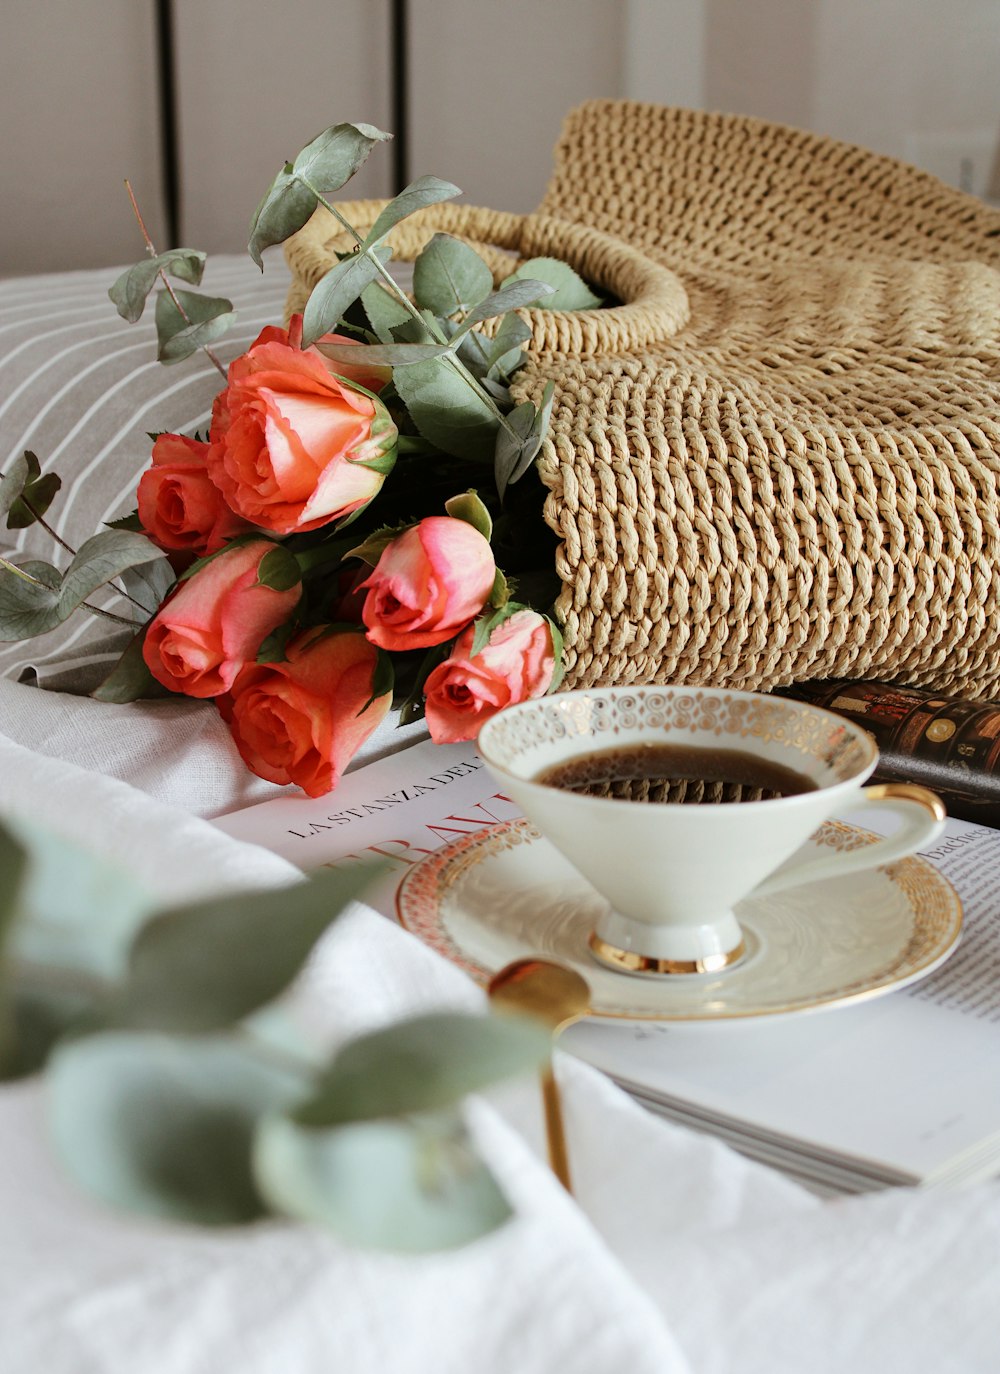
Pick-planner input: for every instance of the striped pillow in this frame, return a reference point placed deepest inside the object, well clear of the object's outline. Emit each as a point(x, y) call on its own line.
point(81, 388)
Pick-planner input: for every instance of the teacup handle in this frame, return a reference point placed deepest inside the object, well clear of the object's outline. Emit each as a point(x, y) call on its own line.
point(923, 816)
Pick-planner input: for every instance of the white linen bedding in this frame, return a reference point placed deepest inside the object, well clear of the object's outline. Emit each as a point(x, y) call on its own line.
point(678, 1255)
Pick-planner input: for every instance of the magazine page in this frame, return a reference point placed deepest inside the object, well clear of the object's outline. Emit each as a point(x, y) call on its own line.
point(907, 1081)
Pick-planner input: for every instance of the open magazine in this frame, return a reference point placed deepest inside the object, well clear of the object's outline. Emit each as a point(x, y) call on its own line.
point(899, 1090)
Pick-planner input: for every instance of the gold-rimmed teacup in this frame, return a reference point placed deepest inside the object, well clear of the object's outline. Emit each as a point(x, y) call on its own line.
point(672, 872)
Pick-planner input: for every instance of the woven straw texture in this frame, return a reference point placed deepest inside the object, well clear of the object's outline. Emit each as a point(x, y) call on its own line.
point(778, 458)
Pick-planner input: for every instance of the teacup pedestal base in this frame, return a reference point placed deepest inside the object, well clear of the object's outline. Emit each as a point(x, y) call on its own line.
point(629, 946)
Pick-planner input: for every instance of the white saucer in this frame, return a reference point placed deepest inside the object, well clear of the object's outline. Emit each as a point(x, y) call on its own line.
point(504, 893)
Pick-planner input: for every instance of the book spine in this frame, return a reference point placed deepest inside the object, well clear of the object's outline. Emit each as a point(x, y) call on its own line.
point(948, 745)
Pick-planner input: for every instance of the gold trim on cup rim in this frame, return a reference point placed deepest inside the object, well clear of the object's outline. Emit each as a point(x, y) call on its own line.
point(626, 960)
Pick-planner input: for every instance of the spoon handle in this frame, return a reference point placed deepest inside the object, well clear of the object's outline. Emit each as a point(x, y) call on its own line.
point(554, 1129)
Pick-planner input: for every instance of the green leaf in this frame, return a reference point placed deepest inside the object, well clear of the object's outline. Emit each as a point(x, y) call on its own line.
point(516, 296)
point(383, 310)
point(165, 1127)
point(149, 583)
point(78, 912)
point(133, 286)
point(208, 318)
point(29, 601)
point(338, 289)
point(100, 559)
point(473, 350)
point(130, 679)
point(448, 276)
point(420, 1065)
point(13, 871)
point(25, 495)
point(505, 354)
point(13, 482)
point(285, 207)
point(516, 453)
point(279, 570)
point(418, 195)
point(384, 355)
point(205, 966)
point(559, 671)
point(411, 1186)
point(470, 508)
point(570, 291)
point(328, 162)
point(446, 410)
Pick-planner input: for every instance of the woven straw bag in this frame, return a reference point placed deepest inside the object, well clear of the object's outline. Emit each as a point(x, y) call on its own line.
point(778, 458)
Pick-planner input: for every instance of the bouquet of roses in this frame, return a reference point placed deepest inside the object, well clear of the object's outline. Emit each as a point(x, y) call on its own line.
point(335, 541)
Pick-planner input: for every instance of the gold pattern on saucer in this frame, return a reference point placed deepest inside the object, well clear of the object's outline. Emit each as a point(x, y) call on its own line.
point(505, 893)
point(628, 961)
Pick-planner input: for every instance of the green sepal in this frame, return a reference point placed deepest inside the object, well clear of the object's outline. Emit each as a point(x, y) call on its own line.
point(279, 570)
point(469, 507)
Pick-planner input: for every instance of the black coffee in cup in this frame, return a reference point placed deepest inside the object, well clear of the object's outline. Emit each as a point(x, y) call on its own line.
point(677, 773)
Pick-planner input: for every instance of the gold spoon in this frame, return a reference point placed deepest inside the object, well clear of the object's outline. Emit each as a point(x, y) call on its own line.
point(558, 996)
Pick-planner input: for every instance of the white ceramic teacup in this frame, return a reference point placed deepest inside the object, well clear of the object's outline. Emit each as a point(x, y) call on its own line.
point(672, 872)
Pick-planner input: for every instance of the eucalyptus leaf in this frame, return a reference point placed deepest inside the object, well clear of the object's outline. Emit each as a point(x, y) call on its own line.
point(328, 162)
point(284, 208)
point(78, 912)
point(420, 1065)
point(513, 295)
point(208, 318)
point(34, 502)
point(418, 195)
point(383, 310)
point(207, 965)
point(130, 679)
point(570, 291)
point(447, 410)
point(129, 292)
point(148, 583)
point(13, 872)
point(100, 559)
point(473, 350)
point(336, 290)
point(40, 1013)
point(412, 1186)
point(14, 481)
point(511, 333)
point(449, 276)
point(29, 602)
point(388, 355)
point(513, 462)
point(163, 1126)
point(470, 508)
point(513, 441)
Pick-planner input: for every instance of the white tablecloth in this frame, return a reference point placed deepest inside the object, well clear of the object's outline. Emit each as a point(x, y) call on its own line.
point(677, 1254)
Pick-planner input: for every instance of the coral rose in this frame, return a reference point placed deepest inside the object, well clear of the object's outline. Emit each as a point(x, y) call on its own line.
point(292, 446)
point(303, 721)
point(428, 584)
point(180, 507)
point(215, 622)
point(518, 661)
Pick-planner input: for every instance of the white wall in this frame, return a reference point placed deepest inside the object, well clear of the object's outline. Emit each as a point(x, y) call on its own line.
point(490, 85)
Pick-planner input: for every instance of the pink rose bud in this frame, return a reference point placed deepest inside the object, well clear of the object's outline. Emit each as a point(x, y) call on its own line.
point(292, 447)
point(215, 622)
point(516, 663)
point(303, 721)
point(180, 507)
point(428, 584)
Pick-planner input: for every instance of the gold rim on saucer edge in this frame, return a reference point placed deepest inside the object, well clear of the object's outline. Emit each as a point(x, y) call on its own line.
point(438, 872)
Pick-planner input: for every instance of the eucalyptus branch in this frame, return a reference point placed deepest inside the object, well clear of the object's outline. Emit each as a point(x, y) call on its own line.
point(151, 250)
point(400, 295)
point(84, 605)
